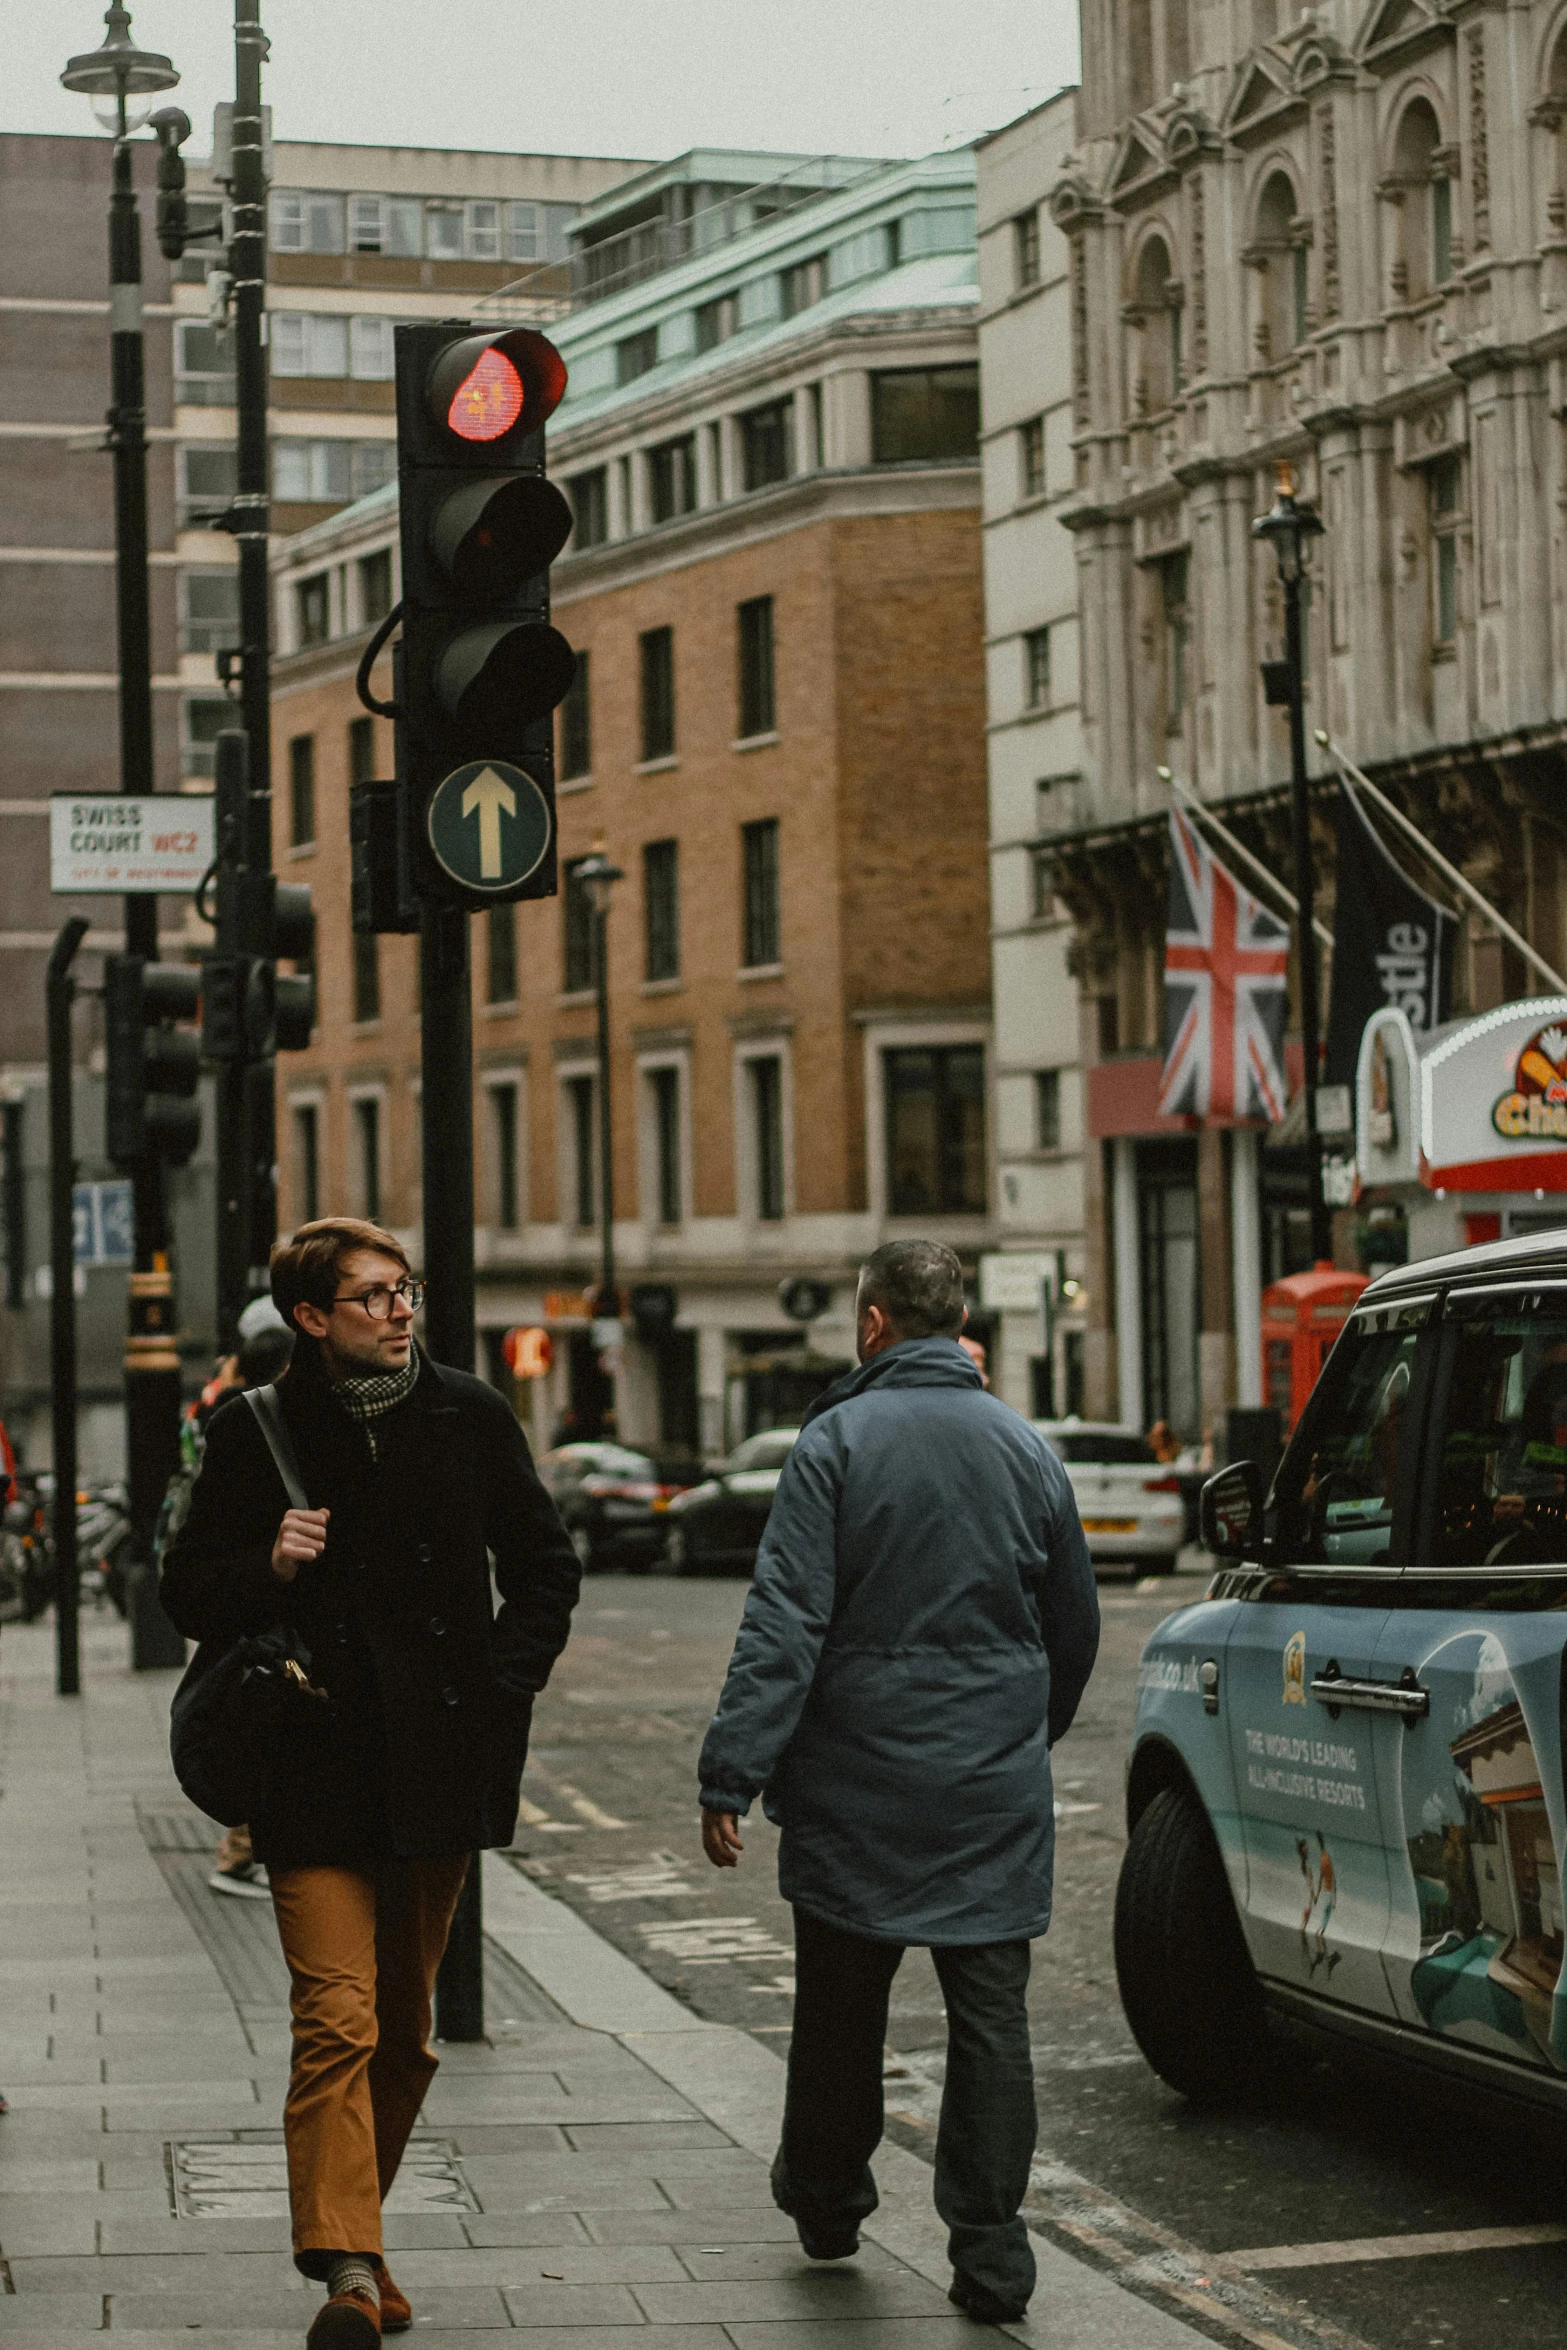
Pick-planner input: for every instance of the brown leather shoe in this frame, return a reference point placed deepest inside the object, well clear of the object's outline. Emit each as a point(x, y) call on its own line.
point(396, 2310)
point(347, 2322)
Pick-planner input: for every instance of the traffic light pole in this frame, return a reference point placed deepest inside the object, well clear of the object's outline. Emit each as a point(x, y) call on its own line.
point(255, 1108)
point(446, 1117)
point(60, 994)
point(152, 1387)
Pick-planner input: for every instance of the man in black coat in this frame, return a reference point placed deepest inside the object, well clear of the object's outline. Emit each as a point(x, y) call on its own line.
point(406, 1756)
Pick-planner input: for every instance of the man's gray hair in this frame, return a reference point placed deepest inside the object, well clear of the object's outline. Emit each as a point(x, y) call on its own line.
point(918, 1285)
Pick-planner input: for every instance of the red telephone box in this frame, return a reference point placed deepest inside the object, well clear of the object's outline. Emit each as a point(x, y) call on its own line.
point(1301, 1317)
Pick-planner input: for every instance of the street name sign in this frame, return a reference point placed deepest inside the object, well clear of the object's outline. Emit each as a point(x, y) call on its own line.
point(489, 825)
point(121, 841)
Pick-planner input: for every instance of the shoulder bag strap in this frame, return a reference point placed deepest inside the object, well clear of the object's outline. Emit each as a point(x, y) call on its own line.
point(263, 1402)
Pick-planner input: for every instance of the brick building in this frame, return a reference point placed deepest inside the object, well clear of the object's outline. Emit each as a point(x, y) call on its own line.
point(770, 442)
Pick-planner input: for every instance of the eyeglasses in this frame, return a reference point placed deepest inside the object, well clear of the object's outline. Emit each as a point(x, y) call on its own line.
point(377, 1302)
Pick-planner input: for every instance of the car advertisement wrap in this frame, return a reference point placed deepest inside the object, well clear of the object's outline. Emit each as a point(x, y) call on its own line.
point(1171, 1705)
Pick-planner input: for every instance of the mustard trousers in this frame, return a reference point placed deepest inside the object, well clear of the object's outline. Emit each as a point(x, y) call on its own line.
point(362, 1954)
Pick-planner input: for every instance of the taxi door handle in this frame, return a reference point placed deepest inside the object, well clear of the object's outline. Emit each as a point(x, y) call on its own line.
point(1404, 1697)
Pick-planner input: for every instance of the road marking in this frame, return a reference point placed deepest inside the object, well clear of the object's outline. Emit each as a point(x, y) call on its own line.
point(587, 1809)
point(531, 1817)
point(656, 1879)
point(712, 1941)
point(1397, 2247)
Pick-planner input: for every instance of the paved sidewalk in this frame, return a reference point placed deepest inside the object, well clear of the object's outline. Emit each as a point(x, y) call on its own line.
point(599, 2164)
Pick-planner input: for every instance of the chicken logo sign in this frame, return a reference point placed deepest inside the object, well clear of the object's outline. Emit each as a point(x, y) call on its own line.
point(1537, 1106)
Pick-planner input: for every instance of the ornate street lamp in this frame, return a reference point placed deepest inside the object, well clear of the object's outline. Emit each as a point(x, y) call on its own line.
point(597, 877)
point(1290, 527)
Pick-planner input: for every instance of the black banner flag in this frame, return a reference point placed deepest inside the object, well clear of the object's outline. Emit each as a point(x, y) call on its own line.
point(1391, 944)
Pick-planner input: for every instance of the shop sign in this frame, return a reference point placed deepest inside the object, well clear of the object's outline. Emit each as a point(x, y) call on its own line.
point(1386, 1080)
point(1493, 1101)
point(1010, 1284)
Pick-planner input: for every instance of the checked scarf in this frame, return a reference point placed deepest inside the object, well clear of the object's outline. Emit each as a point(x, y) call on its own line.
point(365, 1400)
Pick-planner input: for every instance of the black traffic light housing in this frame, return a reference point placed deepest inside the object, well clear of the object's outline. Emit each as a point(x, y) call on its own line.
point(154, 1063)
point(480, 667)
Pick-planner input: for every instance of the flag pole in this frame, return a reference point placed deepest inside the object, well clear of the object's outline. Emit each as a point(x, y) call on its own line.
point(1450, 873)
point(1238, 848)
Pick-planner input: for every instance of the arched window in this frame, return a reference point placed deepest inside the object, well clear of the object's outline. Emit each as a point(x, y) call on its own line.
point(1156, 310)
point(1556, 117)
point(1426, 228)
point(1283, 259)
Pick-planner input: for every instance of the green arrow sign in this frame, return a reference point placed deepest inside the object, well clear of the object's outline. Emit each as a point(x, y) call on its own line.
point(489, 825)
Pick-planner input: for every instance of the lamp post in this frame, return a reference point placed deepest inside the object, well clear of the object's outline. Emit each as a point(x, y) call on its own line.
point(114, 75)
point(597, 876)
point(1290, 527)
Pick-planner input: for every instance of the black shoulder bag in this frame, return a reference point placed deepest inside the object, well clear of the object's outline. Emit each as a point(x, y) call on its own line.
point(227, 1711)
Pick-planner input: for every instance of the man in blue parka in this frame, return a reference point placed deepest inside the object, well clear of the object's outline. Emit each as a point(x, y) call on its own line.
point(921, 1627)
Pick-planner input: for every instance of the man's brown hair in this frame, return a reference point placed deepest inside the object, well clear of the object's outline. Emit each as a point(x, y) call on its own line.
point(918, 1285)
point(305, 1267)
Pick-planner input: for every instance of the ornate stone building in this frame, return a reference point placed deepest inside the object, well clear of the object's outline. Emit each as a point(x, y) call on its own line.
point(1337, 237)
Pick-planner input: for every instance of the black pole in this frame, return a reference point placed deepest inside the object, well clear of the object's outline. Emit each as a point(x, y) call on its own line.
point(152, 1375)
point(255, 1107)
point(446, 1119)
point(609, 1296)
point(60, 993)
point(1306, 937)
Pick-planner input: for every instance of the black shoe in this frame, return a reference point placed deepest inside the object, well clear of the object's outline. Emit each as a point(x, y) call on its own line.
point(985, 2307)
point(827, 2243)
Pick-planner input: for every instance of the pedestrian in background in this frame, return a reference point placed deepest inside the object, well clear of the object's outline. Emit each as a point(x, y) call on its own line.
point(921, 1626)
point(405, 1758)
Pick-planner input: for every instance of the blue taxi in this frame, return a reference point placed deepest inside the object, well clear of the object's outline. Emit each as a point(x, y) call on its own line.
point(1345, 1792)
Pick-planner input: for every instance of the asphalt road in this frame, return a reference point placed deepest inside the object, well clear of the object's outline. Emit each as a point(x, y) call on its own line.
point(1336, 2154)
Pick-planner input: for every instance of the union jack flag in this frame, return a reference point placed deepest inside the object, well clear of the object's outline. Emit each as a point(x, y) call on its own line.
point(1224, 991)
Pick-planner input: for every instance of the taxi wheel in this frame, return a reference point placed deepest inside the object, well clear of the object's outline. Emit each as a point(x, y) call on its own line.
point(1186, 1979)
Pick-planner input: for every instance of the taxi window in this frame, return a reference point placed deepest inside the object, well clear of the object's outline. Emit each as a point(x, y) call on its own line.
point(1337, 1484)
point(1501, 1451)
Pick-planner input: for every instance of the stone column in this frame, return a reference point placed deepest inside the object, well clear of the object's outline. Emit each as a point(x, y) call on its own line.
point(1128, 1284)
point(1246, 1263)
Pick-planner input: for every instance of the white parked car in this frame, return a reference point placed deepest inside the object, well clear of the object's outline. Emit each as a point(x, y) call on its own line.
point(1129, 1502)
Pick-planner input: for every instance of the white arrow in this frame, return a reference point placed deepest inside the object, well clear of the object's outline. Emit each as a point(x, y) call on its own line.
point(489, 793)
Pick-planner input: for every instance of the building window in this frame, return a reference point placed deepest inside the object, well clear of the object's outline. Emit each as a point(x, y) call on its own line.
point(1025, 249)
point(203, 364)
point(579, 1110)
point(208, 478)
point(306, 223)
point(758, 714)
point(763, 942)
point(576, 726)
point(1036, 668)
point(1045, 904)
point(936, 1131)
point(361, 750)
point(308, 343)
point(589, 496)
point(1175, 613)
point(307, 1161)
point(443, 227)
point(579, 971)
point(802, 285)
point(330, 473)
point(1031, 457)
point(501, 959)
point(716, 322)
point(1441, 231)
point(656, 647)
point(206, 715)
point(1047, 1109)
point(503, 1124)
point(661, 908)
point(367, 976)
point(302, 791)
point(210, 610)
point(386, 224)
point(313, 610)
point(375, 586)
point(367, 1132)
point(1446, 507)
point(766, 444)
point(672, 478)
point(370, 355)
point(924, 415)
point(665, 1085)
point(636, 355)
point(523, 239)
point(765, 1075)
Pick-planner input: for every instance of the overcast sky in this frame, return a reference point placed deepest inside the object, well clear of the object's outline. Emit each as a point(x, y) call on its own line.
point(586, 77)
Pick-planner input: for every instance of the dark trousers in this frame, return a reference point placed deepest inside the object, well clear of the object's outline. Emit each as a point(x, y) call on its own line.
point(833, 2108)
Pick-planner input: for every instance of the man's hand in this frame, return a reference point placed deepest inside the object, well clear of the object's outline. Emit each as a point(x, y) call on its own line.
point(301, 1536)
point(721, 1838)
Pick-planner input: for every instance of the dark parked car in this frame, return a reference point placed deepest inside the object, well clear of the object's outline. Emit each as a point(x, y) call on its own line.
point(612, 1502)
point(717, 1525)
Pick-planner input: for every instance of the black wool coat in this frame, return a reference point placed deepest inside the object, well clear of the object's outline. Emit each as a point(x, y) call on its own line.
point(420, 1747)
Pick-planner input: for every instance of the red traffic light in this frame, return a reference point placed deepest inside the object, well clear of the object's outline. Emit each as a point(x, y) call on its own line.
point(486, 386)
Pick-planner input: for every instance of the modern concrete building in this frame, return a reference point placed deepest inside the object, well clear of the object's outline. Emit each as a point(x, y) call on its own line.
point(360, 236)
point(770, 441)
point(1334, 237)
point(1035, 759)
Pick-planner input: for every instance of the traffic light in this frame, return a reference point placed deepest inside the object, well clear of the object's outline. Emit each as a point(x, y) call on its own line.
point(154, 1065)
point(481, 669)
point(249, 1009)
